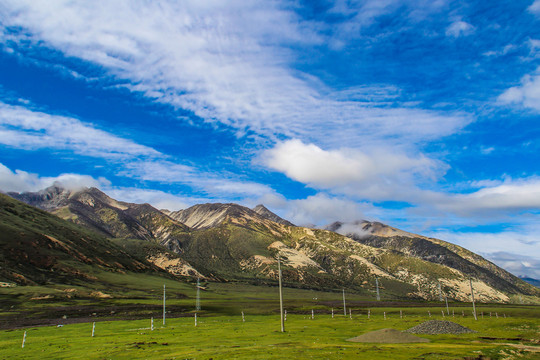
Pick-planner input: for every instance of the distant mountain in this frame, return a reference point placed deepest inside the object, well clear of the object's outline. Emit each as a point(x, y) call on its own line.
point(534, 282)
point(436, 251)
point(267, 214)
point(233, 242)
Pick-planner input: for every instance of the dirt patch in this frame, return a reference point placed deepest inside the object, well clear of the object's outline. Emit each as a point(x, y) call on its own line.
point(435, 327)
point(389, 336)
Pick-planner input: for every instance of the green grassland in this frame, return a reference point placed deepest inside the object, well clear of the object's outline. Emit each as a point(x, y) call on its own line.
point(221, 334)
point(227, 337)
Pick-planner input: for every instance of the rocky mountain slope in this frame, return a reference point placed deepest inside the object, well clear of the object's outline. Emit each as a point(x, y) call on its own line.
point(232, 242)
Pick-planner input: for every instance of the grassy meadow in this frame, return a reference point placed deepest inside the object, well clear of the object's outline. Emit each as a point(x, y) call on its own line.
point(221, 334)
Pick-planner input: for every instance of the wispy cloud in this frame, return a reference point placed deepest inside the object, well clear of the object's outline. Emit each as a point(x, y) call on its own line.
point(459, 28)
point(535, 7)
point(526, 95)
point(23, 128)
point(223, 63)
point(26, 129)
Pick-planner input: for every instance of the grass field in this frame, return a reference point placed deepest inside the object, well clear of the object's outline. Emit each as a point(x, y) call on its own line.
point(221, 334)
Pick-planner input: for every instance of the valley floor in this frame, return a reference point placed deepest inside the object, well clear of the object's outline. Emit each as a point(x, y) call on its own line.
point(228, 337)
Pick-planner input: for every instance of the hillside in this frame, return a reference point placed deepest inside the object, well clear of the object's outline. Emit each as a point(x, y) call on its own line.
point(95, 210)
point(40, 248)
point(231, 242)
point(432, 250)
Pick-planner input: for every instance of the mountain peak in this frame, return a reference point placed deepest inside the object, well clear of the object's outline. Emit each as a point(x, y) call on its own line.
point(204, 216)
point(267, 214)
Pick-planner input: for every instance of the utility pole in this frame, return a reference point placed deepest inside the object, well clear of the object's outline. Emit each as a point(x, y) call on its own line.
point(164, 304)
point(440, 293)
point(198, 301)
point(281, 296)
point(377, 283)
point(472, 297)
point(344, 305)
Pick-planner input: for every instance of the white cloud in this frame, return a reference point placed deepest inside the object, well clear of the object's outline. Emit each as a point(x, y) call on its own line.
point(377, 174)
point(322, 209)
point(510, 195)
point(215, 185)
point(26, 129)
point(535, 7)
point(21, 181)
point(487, 150)
point(23, 128)
point(227, 62)
point(527, 94)
point(459, 28)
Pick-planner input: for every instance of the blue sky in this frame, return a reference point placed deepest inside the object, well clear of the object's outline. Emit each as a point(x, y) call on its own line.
point(420, 114)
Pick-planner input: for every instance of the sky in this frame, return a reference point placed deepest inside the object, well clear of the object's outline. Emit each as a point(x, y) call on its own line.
point(424, 115)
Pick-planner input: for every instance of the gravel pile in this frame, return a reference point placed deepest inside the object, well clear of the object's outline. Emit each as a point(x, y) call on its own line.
point(389, 336)
point(434, 327)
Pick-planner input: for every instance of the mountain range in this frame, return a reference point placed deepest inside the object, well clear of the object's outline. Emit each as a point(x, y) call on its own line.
point(230, 242)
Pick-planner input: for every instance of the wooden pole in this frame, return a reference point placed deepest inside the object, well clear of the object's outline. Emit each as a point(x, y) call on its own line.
point(93, 328)
point(472, 297)
point(23, 340)
point(281, 296)
point(378, 294)
point(447, 309)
